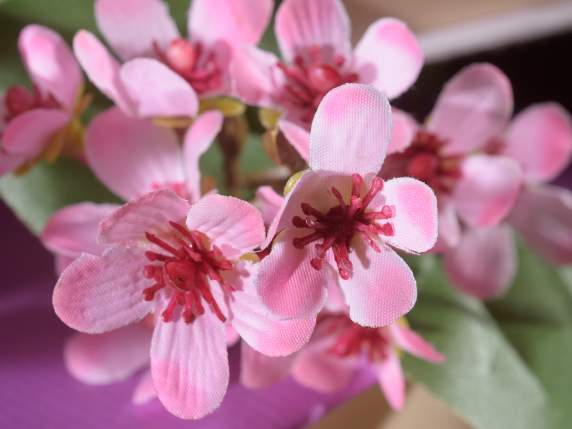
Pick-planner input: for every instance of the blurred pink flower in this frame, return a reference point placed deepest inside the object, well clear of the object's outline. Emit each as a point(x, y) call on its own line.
point(163, 72)
point(314, 39)
point(353, 216)
point(180, 264)
point(336, 351)
point(30, 120)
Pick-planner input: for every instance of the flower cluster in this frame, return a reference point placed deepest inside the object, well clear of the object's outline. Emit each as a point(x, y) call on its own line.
point(311, 279)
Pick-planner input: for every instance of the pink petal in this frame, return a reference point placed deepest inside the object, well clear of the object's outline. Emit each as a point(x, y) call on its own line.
point(73, 230)
point(413, 343)
point(261, 330)
point(234, 21)
point(101, 68)
point(415, 223)
point(351, 130)
point(98, 294)
point(484, 263)
point(389, 57)
point(302, 25)
point(473, 108)
point(403, 131)
point(449, 227)
point(391, 380)
point(9, 162)
point(254, 76)
point(114, 141)
point(232, 336)
point(51, 64)
point(258, 371)
point(317, 368)
point(543, 217)
point(134, 27)
point(487, 190)
point(109, 357)
point(61, 262)
point(297, 136)
point(268, 202)
point(198, 139)
point(230, 222)
point(145, 390)
point(29, 133)
point(540, 139)
point(151, 212)
point(189, 365)
point(382, 288)
point(158, 91)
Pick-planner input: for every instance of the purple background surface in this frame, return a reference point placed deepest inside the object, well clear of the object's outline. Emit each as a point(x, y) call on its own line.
point(37, 392)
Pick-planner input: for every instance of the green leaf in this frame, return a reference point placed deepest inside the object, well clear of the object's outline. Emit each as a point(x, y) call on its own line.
point(484, 379)
point(46, 188)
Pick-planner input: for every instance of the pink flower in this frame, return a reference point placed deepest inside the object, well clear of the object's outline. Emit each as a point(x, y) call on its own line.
point(33, 123)
point(540, 140)
point(163, 72)
point(338, 223)
point(180, 264)
point(336, 351)
point(314, 39)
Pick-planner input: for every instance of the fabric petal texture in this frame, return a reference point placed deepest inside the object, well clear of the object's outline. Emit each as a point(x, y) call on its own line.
point(391, 380)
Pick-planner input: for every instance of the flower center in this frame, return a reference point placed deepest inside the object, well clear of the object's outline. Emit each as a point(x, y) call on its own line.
point(424, 160)
point(336, 228)
point(184, 271)
point(19, 99)
point(194, 63)
point(308, 79)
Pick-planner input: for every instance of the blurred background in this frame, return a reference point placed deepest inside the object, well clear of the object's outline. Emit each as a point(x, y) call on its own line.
point(530, 40)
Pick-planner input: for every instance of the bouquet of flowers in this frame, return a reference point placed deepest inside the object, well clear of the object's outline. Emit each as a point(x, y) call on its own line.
point(199, 192)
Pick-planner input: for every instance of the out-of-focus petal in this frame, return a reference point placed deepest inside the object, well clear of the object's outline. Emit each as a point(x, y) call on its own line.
point(98, 294)
point(351, 130)
point(268, 202)
point(484, 263)
point(389, 57)
point(134, 27)
point(413, 343)
point(254, 76)
point(473, 108)
point(297, 136)
point(403, 129)
point(487, 189)
point(449, 227)
point(9, 162)
point(391, 380)
point(145, 390)
point(189, 364)
point(51, 64)
point(540, 139)
point(258, 371)
point(152, 154)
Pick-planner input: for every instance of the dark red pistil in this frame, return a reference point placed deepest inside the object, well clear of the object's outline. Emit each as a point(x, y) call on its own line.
point(336, 228)
point(184, 271)
point(19, 99)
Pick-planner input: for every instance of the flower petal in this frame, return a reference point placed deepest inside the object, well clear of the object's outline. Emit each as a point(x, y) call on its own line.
point(391, 380)
point(473, 108)
point(484, 263)
point(101, 68)
point(268, 202)
point(98, 294)
point(114, 141)
point(198, 139)
point(189, 364)
point(416, 222)
point(151, 212)
point(261, 330)
point(403, 131)
point(382, 288)
point(51, 64)
point(73, 230)
point(29, 133)
point(134, 27)
point(287, 284)
point(543, 217)
point(487, 190)
point(258, 371)
point(449, 226)
point(540, 139)
point(234, 21)
point(351, 130)
point(413, 343)
point(389, 57)
point(230, 222)
point(158, 91)
point(297, 136)
point(254, 76)
point(9, 162)
point(145, 390)
point(302, 25)
point(108, 357)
